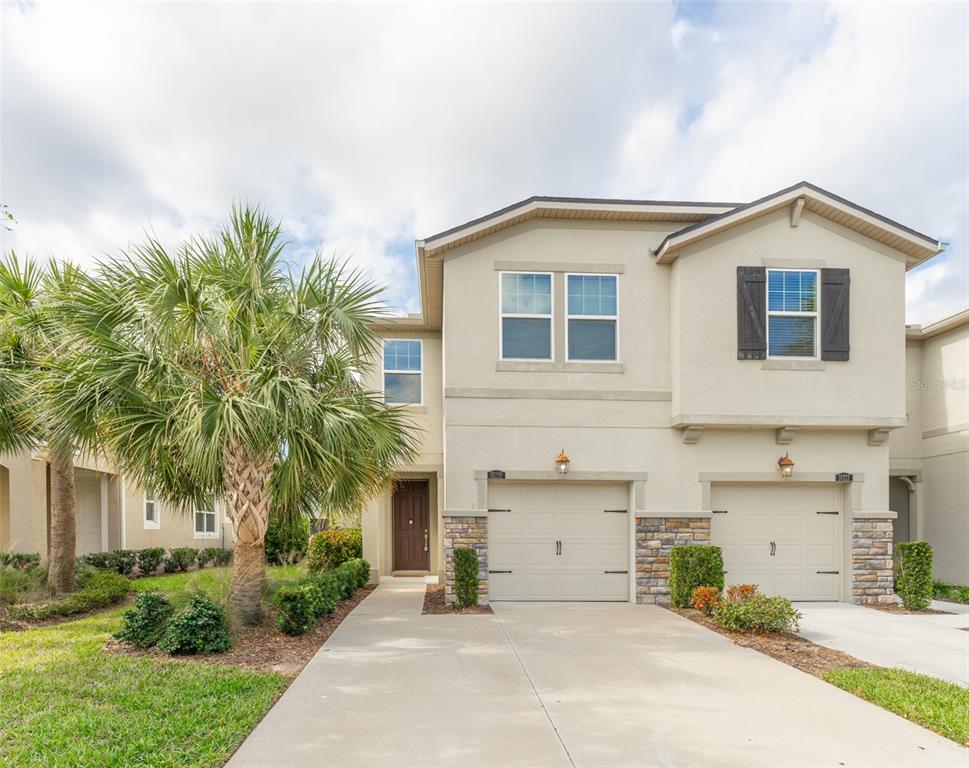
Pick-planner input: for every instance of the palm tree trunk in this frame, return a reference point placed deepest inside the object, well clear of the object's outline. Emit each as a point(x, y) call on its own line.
point(63, 523)
point(247, 482)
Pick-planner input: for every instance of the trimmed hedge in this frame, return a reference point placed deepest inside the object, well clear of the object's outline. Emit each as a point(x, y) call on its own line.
point(200, 628)
point(304, 602)
point(913, 574)
point(146, 622)
point(102, 588)
point(465, 577)
point(150, 560)
point(286, 540)
point(693, 566)
point(180, 559)
point(329, 549)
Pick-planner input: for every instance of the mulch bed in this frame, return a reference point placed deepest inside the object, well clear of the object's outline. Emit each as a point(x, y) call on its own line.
point(792, 649)
point(10, 623)
point(263, 646)
point(896, 608)
point(434, 602)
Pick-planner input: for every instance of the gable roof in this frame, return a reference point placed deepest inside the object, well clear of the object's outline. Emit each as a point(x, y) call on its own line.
point(915, 245)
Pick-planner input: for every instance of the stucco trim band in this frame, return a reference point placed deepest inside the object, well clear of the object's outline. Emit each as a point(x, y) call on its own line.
point(559, 266)
point(558, 367)
point(777, 420)
point(487, 393)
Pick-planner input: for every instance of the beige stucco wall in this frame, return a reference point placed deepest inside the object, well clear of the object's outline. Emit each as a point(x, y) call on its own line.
point(711, 384)
point(176, 528)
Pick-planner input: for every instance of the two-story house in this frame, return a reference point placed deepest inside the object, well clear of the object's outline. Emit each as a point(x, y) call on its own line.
point(600, 380)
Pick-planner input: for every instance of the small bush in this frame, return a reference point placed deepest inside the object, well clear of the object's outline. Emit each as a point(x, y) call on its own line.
point(746, 611)
point(465, 577)
point(124, 561)
point(200, 628)
point(704, 598)
point(18, 585)
point(330, 593)
point(203, 557)
point(150, 559)
point(218, 556)
point(146, 622)
point(299, 606)
point(98, 559)
point(691, 567)
point(329, 549)
point(740, 591)
point(102, 588)
point(950, 592)
point(913, 574)
point(286, 540)
point(182, 558)
point(20, 561)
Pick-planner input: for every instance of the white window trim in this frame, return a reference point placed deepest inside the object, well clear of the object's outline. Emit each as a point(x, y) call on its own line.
point(150, 525)
point(385, 371)
point(516, 316)
point(590, 317)
point(205, 534)
point(777, 313)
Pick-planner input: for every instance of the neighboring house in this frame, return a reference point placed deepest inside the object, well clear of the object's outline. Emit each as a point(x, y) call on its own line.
point(674, 352)
point(112, 513)
point(929, 457)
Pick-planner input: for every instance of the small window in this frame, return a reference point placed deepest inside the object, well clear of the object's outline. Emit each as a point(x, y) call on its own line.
point(206, 524)
point(593, 317)
point(402, 372)
point(792, 313)
point(151, 512)
point(526, 316)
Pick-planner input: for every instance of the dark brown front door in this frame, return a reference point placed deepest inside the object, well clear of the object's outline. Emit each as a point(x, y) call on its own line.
point(411, 527)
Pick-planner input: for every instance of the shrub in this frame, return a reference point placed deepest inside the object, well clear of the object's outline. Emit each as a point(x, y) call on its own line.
point(740, 591)
point(182, 558)
point(330, 591)
point(286, 540)
point(150, 559)
point(124, 561)
point(942, 591)
point(146, 622)
point(746, 611)
point(913, 574)
point(169, 565)
point(200, 628)
point(203, 557)
point(691, 567)
point(218, 556)
point(102, 588)
point(704, 598)
point(299, 606)
point(20, 561)
point(328, 549)
point(466, 577)
point(18, 585)
point(98, 559)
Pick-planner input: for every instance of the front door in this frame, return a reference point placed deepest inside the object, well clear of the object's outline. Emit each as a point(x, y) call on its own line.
point(411, 527)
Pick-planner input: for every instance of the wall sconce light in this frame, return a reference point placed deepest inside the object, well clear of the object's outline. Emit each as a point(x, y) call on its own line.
point(562, 463)
point(786, 465)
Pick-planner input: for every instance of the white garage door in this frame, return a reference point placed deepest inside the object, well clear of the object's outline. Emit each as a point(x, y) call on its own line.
point(784, 538)
point(558, 541)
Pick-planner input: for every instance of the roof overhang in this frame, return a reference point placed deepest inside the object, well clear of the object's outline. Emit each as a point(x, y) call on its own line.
point(916, 246)
point(922, 332)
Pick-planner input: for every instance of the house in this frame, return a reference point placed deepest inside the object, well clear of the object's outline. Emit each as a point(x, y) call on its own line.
point(112, 512)
point(599, 380)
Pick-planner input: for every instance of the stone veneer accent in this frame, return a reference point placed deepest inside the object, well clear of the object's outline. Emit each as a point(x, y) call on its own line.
point(655, 537)
point(871, 561)
point(461, 532)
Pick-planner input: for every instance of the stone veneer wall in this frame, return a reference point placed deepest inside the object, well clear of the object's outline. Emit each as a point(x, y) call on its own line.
point(871, 561)
point(655, 537)
point(461, 532)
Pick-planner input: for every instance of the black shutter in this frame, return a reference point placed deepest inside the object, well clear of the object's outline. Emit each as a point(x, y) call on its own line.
point(751, 313)
point(835, 284)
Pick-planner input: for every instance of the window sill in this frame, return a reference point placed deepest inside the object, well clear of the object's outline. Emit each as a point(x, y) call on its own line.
point(410, 407)
point(555, 367)
point(152, 526)
point(792, 365)
point(206, 535)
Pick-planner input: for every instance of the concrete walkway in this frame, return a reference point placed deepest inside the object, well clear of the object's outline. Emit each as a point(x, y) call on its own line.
point(936, 645)
point(566, 684)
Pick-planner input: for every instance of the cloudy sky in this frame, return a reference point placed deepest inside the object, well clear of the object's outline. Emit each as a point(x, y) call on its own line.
point(365, 127)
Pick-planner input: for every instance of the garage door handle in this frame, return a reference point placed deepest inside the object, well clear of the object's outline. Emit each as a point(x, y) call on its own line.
point(827, 512)
point(833, 573)
point(615, 571)
point(490, 571)
point(615, 511)
point(558, 547)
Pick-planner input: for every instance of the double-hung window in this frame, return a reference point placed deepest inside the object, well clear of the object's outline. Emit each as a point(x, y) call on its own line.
point(526, 316)
point(402, 371)
point(151, 512)
point(206, 522)
point(792, 313)
point(592, 325)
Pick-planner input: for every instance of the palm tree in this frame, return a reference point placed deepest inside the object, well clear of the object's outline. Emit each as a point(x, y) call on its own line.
point(31, 332)
point(212, 371)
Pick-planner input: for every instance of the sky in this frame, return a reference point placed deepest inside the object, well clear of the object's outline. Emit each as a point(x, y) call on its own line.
point(365, 127)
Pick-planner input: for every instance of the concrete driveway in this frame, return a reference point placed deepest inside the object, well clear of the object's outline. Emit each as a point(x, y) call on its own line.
point(936, 645)
point(565, 685)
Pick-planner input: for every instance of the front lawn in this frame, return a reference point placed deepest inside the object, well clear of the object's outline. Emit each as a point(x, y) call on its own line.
point(179, 587)
point(936, 704)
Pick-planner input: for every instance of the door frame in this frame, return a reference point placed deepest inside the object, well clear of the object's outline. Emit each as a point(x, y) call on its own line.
point(393, 524)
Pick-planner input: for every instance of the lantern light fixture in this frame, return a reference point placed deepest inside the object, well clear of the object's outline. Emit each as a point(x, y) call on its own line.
point(786, 465)
point(562, 463)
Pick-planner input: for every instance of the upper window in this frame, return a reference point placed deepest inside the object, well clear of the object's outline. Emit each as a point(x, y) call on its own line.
point(526, 316)
point(402, 371)
point(151, 513)
point(206, 523)
point(792, 313)
point(593, 317)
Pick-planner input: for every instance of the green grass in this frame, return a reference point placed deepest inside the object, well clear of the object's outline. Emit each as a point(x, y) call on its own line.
point(66, 703)
point(936, 704)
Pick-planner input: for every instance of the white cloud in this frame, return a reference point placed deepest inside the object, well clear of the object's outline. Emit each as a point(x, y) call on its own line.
point(367, 126)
